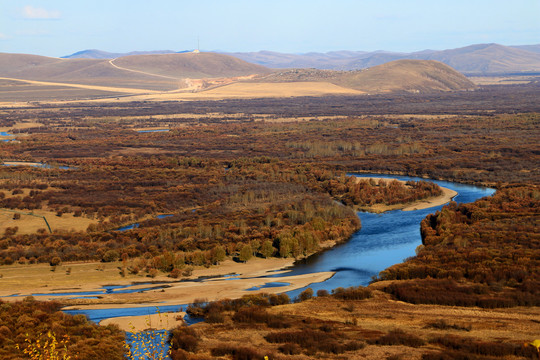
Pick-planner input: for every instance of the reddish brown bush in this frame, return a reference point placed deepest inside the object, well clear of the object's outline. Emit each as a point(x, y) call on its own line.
point(184, 338)
point(28, 319)
point(485, 348)
point(352, 293)
point(237, 352)
point(399, 337)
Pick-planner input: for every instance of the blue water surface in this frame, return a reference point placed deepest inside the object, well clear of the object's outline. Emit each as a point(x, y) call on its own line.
point(384, 240)
point(41, 165)
point(269, 285)
point(136, 225)
point(152, 131)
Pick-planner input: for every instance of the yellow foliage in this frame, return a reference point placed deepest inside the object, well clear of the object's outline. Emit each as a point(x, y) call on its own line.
point(148, 344)
point(49, 349)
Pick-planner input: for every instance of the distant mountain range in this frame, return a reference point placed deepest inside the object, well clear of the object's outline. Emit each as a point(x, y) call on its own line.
point(480, 59)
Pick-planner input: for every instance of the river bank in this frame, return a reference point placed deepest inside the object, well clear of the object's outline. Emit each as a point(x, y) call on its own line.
point(446, 197)
point(81, 279)
point(161, 321)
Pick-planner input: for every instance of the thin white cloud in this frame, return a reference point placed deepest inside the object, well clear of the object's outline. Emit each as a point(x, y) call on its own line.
point(30, 12)
point(3, 36)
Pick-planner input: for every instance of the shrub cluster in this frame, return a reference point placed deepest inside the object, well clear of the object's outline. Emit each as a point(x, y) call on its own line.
point(30, 321)
point(352, 293)
point(313, 341)
point(462, 347)
point(399, 337)
point(481, 254)
point(237, 352)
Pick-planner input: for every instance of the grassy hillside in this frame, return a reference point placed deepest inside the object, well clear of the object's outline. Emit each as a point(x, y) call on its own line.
point(190, 65)
point(399, 75)
point(153, 72)
point(407, 75)
point(78, 71)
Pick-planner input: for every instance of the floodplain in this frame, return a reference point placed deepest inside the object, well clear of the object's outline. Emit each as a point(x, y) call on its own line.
point(255, 184)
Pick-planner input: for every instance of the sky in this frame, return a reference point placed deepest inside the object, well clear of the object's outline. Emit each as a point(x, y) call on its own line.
point(62, 27)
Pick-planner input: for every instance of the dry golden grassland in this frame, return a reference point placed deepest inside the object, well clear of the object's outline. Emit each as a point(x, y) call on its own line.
point(231, 91)
point(30, 224)
point(84, 86)
point(36, 278)
point(502, 80)
point(21, 125)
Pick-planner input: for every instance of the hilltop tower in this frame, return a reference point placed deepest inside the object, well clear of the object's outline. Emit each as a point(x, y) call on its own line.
point(196, 51)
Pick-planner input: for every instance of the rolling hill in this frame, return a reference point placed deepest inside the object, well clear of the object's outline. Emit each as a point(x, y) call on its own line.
point(190, 65)
point(212, 75)
point(162, 72)
point(407, 75)
point(77, 71)
point(399, 75)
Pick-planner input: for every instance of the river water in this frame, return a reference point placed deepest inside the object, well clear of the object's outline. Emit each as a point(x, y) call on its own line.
point(384, 240)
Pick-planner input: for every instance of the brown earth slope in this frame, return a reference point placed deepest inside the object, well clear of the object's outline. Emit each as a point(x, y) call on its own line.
point(78, 71)
point(399, 75)
point(190, 65)
point(407, 75)
point(152, 72)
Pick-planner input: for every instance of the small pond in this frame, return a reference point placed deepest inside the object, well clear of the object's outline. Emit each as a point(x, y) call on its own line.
point(136, 225)
point(153, 130)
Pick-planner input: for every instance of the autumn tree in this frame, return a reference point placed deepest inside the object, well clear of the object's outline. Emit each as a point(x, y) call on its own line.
point(245, 253)
point(267, 250)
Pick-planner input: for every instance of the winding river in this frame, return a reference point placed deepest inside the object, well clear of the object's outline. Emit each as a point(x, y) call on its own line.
point(384, 240)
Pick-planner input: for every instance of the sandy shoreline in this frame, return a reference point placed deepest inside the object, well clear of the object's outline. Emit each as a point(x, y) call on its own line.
point(186, 292)
point(445, 198)
point(162, 321)
point(189, 292)
point(229, 280)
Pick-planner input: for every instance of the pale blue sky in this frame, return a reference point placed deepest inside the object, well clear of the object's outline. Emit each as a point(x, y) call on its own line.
point(62, 27)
